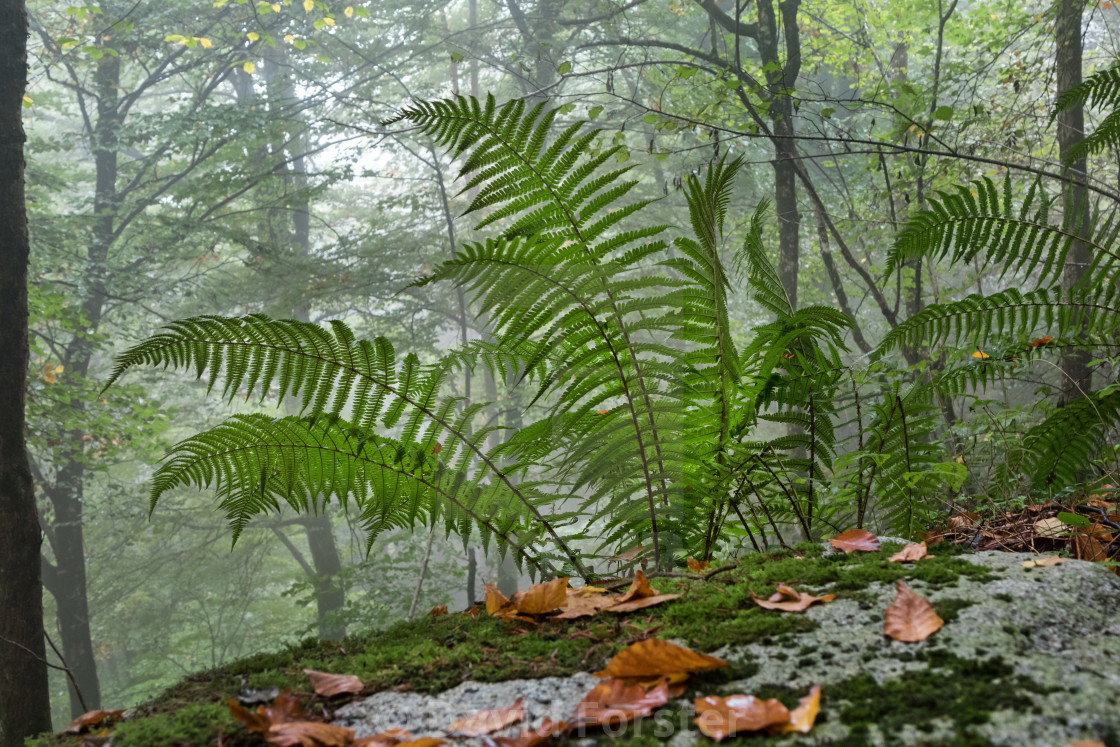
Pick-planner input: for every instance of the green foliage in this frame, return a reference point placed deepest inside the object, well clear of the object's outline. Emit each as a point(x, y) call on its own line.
point(1099, 91)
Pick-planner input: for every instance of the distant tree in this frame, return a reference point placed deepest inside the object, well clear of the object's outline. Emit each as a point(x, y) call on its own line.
point(24, 700)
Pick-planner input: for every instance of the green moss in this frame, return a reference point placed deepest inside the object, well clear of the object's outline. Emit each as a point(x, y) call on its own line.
point(193, 724)
point(949, 608)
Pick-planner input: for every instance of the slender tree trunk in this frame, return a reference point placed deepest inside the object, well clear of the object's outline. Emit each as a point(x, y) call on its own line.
point(1075, 197)
point(25, 708)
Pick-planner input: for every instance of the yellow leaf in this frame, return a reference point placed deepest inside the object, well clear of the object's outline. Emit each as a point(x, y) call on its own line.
point(249, 67)
point(288, 37)
point(276, 7)
point(28, 101)
point(252, 36)
point(308, 5)
point(206, 43)
point(349, 12)
point(981, 355)
point(329, 21)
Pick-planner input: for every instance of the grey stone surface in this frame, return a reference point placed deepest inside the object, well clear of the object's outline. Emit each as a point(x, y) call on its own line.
point(1058, 627)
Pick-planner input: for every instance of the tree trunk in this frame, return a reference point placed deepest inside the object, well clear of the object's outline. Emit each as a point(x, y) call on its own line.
point(1075, 196)
point(24, 696)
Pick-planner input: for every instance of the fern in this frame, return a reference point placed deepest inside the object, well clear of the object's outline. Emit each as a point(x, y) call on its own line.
point(1100, 91)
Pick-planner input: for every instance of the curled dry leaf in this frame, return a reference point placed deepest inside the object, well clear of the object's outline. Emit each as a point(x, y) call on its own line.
point(910, 618)
point(639, 596)
point(308, 734)
point(655, 657)
point(802, 718)
point(329, 685)
point(91, 719)
point(388, 738)
point(472, 612)
point(1087, 546)
point(541, 599)
point(438, 611)
point(533, 737)
point(788, 599)
point(584, 602)
point(719, 717)
point(615, 701)
point(696, 566)
point(1046, 562)
point(285, 708)
point(855, 540)
point(909, 554)
point(488, 721)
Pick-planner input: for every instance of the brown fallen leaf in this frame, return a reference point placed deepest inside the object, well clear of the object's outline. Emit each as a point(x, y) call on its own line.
point(1046, 562)
point(497, 605)
point(584, 603)
point(696, 566)
point(719, 718)
point(329, 685)
point(910, 618)
point(308, 734)
point(641, 604)
point(654, 657)
point(487, 721)
point(639, 588)
point(541, 599)
point(855, 540)
point(639, 596)
point(1087, 546)
point(909, 554)
point(252, 720)
point(802, 718)
point(388, 738)
point(615, 701)
point(422, 742)
point(91, 719)
point(1086, 743)
point(788, 599)
point(438, 611)
point(1051, 528)
point(627, 556)
point(533, 737)
point(471, 613)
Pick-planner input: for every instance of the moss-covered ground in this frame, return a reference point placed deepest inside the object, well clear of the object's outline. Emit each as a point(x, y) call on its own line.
point(433, 654)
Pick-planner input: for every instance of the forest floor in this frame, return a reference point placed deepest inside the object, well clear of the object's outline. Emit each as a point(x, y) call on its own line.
point(1027, 656)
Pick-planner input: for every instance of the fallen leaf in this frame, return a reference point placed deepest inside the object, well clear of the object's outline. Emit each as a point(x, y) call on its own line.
point(487, 721)
point(641, 604)
point(719, 717)
point(910, 618)
point(632, 554)
point(696, 566)
point(1086, 546)
point(654, 657)
point(962, 520)
point(90, 719)
point(909, 554)
point(533, 737)
point(472, 612)
point(438, 611)
point(856, 540)
point(614, 702)
point(388, 738)
point(422, 742)
point(639, 588)
point(1046, 562)
point(1086, 743)
point(802, 718)
point(252, 720)
point(308, 734)
point(639, 596)
point(1051, 528)
point(329, 685)
point(788, 599)
point(540, 599)
point(583, 603)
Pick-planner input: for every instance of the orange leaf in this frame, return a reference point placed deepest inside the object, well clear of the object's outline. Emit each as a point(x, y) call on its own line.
point(253, 721)
point(910, 617)
point(804, 716)
point(654, 657)
point(583, 603)
point(329, 685)
point(309, 734)
point(1040, 342)
point(283, 709)
point(1088, 547)
point(422, 742)
point(487, 721)
point(384, 739)
point(1043, 562)
point(437, 448)
point(981, 355)
point(92, 718)
point(540, 599)
point(1086, 743)
point(639, 588)
point(614, 702)
point(641, 604)
point(856, 539)
point(789, 600)
point(719, 717)
point(438, 611)
point(909, 554)
point(472, 612)
point(696, 566)
point(533, 737)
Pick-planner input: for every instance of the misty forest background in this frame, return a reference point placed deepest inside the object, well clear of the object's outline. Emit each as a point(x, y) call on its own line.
point(189, 157)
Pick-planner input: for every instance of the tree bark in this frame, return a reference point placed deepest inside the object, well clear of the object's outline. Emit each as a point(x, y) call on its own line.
point(24, 696)
point(1075, 196)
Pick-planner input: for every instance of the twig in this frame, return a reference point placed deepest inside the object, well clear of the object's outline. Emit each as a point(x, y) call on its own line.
point(423, 572)
point(63, 668)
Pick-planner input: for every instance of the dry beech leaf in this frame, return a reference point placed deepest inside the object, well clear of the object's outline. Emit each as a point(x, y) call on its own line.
point(1046, 562)
point(252, 720)
point(910, 618)
point(533, 737)
point(471, 613)
point(540, 599)
point(1052, 528)
point(308, 734)
point(487, 721)
point(909, 554)
point(856, 540)
point(626, 556)
point(1086, 743)
point(788, 599)
point(802, 718)
point(329, 685)
point(92, 718)
point(615, 701)
point(696, 566)
point(495, 600)
point(438, 611)
point(641, 604)
point(719, 717)
point(422, 742)
point(640, 595)
point(583, 603)
point(1086, 546)
point(388, 738)
point(654, 657)
point(284, 708)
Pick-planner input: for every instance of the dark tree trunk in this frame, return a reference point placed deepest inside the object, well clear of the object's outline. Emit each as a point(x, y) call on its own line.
point(24, 696)
point(1075, 196)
